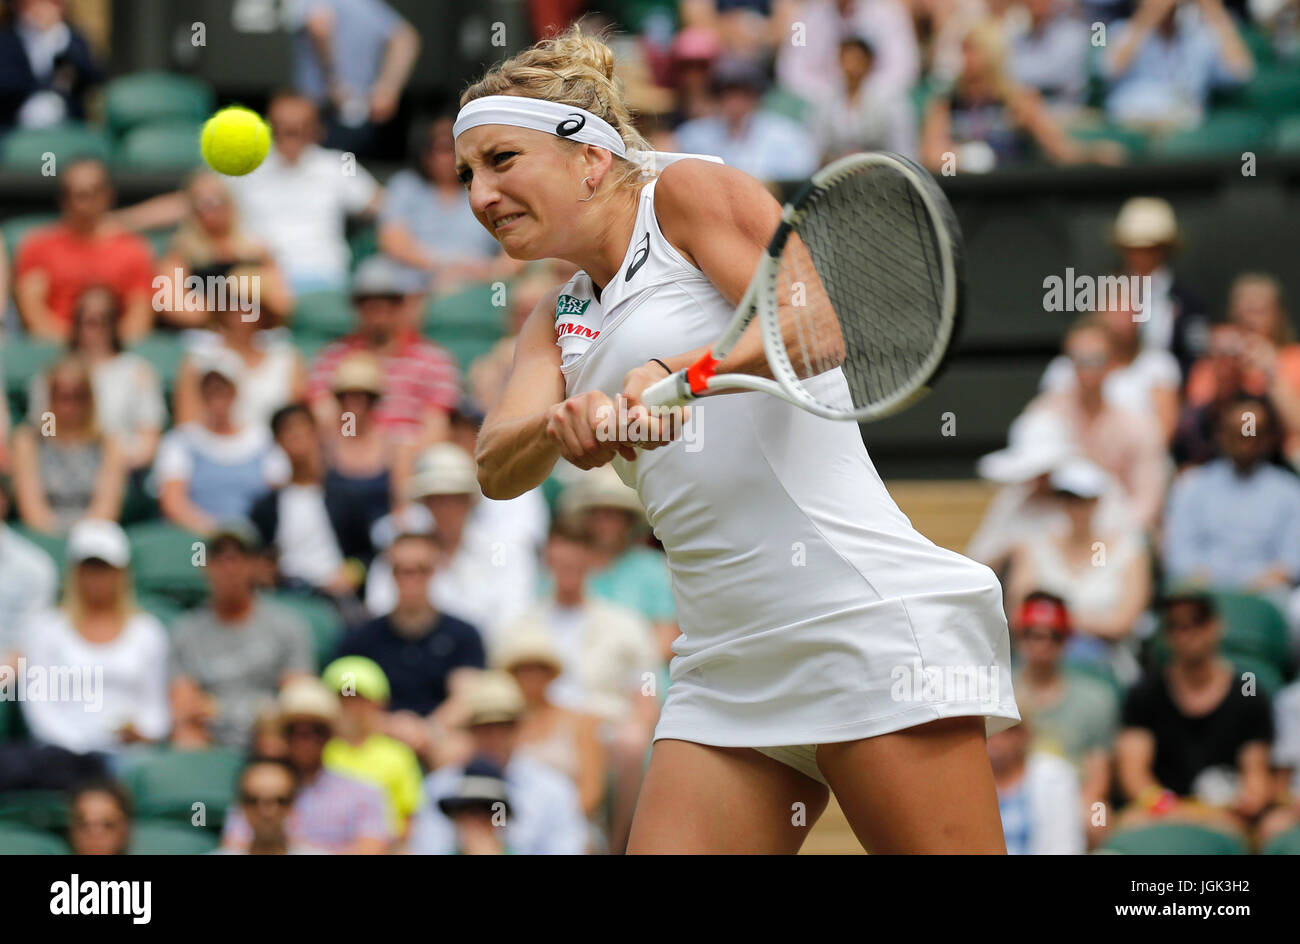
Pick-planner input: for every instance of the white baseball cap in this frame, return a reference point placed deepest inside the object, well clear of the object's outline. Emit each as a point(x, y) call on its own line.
point(94, 539)
point(1037, 442)
point(1144, 222)
point(1081, 477)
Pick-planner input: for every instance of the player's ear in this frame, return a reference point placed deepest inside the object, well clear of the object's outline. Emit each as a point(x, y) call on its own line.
point(597, 162)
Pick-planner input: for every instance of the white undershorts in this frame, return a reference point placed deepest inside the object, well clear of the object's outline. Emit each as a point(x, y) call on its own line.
point(802, 757)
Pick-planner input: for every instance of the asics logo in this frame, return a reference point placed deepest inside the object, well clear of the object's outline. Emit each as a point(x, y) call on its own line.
point(638, 260)
point(571, 125)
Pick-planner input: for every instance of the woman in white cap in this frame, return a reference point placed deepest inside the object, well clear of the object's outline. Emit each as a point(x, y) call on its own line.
point(103, 662)
point(782, 682)
point(1104, 577)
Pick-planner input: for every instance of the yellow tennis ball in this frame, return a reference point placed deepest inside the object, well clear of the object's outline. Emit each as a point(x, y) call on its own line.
point(235, 141)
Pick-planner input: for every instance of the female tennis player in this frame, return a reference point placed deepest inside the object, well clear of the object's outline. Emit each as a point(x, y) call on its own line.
point(825, 643)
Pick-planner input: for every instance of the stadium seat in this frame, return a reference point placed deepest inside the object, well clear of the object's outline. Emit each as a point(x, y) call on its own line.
point(164, 608)
point(25, 149)
point(168, 838)
point(321, 618)
point(1173, 839)
point(51, 544)
point(17, 227)
point(21, 359)
point(781, 101)
point(162, 562)
point(15, 840)
point(1133, 142)
point(149, 97)
point(1225, 133)
point(1287, 843)
point(465, 322)
point(164, 146)
point(322, 315)
point(167, 783)
point(1287, 135)
point(1274, 92)
point(34, 809)
point(164, 352)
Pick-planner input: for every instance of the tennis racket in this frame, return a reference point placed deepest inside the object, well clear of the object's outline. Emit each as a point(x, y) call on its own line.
point(863, 275)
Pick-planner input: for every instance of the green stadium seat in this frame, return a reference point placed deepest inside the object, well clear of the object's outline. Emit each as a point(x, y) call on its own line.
point(161, 560)
point(1273, 92)
point(1173, 839)
point(465, 349)
point(18, 841)
point(52, 544)
point(1287, 843)
point(164, 608)
point(45, 810)
point(468, 310)
point(149, 97)
point(166, 146)
point(325, 315)
point(1257, 40)
point(25, 149)
point(21, 359)
point(1133, 142)
point(321, 618)
point(1225, 133)
point(164, 353)
point(168, 838)
point(363, 244)
point(782, 101)
point(17, 227)
point(1287, 135)
point(167, 783)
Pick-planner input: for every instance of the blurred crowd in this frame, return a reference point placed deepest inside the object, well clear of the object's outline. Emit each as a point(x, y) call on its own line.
point(274, 550)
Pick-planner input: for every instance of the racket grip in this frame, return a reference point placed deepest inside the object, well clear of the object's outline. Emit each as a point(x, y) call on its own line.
point(673, 390)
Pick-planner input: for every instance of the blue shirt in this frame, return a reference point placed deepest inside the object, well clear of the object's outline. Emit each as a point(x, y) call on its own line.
point(769, 146)
point(417, 669)
point(444, 225)
point(1167, 77)
point(362, 29)
point(1232, 528)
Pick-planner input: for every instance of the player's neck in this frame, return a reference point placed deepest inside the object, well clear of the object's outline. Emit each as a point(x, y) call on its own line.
point(603, 256)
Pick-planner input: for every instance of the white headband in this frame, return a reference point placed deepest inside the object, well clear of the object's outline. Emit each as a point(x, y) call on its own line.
point(563, 121)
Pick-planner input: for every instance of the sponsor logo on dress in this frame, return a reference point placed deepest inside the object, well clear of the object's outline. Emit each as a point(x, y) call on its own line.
point(568, 305)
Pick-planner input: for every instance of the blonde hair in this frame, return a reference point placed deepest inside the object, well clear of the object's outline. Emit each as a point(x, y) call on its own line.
point(75, 367)
point(75, 609)
point(573, 68)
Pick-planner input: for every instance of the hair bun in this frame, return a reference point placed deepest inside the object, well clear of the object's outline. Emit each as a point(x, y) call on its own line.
point(575, 51)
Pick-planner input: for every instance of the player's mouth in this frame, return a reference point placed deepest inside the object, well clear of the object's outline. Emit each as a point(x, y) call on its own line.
point(504, 222)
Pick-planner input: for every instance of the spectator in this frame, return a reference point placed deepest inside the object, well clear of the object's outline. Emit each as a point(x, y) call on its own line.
point(421, 380)
point(860, 114)
point(119, 651)
point(624, 571)
point(128, 396)
point(99, 819)
point(28, 581)
point(1142, 380)
point(488, 573)
point(65, 469)
point(46, 67)
point(987, 120)
point(268, 791)
point(1146, 234)
point(331, 812)
point(360, 748)
point(566, 740)
point(766, 145)
point(478, 809)
point(1104, 578)
point(297, 201)
point(693, 52)
point(418, 647)
point(1024, 506)
point(808, 69)
point(56, 263)
point(358, 456)
point(1222, 372)
point(209, 243)
point(1128, 445)
point(213, 468)
point(1286, 764)
point(271, 375)
point(231, 656)
point(1075, 715)
point(297, 518)
point(427, 226)
point(1162, 66)
point(1190, 732)
point(1048, 52)
point(1267, 355)
point(1038, 796)
point(352, 58)
point(1235, 522)
point(545, 815)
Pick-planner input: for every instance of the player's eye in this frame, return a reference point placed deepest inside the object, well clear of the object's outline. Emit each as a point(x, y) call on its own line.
point(465, 176)
point(500, 156)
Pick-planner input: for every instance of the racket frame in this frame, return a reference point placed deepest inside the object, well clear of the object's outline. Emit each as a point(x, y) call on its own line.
point(760, 299)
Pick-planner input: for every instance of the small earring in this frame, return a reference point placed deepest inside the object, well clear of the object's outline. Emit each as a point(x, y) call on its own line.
point(593, 190)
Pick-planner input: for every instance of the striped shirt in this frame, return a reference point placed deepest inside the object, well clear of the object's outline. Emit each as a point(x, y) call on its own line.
point(418, 377)
point(330, 813)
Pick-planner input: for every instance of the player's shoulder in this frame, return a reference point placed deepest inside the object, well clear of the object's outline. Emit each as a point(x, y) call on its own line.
point(693, 195)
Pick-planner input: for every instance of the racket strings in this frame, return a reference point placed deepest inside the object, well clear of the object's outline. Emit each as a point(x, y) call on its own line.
point(875, 258)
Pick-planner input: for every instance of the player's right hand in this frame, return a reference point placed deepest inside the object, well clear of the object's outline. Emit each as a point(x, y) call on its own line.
point(585, 430)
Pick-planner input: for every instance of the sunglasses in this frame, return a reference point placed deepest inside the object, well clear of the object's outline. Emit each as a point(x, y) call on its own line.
point(1177, 626)
point(1045, 635)
point(320, 731)
point(282, 800)
point(1089, 360)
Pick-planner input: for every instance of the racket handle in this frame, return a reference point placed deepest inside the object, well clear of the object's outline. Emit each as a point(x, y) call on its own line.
point(673, 390)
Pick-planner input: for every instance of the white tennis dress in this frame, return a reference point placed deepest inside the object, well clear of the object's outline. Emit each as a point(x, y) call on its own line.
point(811, 610)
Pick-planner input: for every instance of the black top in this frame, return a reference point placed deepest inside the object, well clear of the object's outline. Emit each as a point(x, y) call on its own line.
point(1186, 746)
point(417, 669)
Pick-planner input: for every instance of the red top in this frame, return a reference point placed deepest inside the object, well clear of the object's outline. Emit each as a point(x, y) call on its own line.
point(72, 262)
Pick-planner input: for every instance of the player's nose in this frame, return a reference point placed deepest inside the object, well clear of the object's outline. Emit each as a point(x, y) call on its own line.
point(482, 194)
